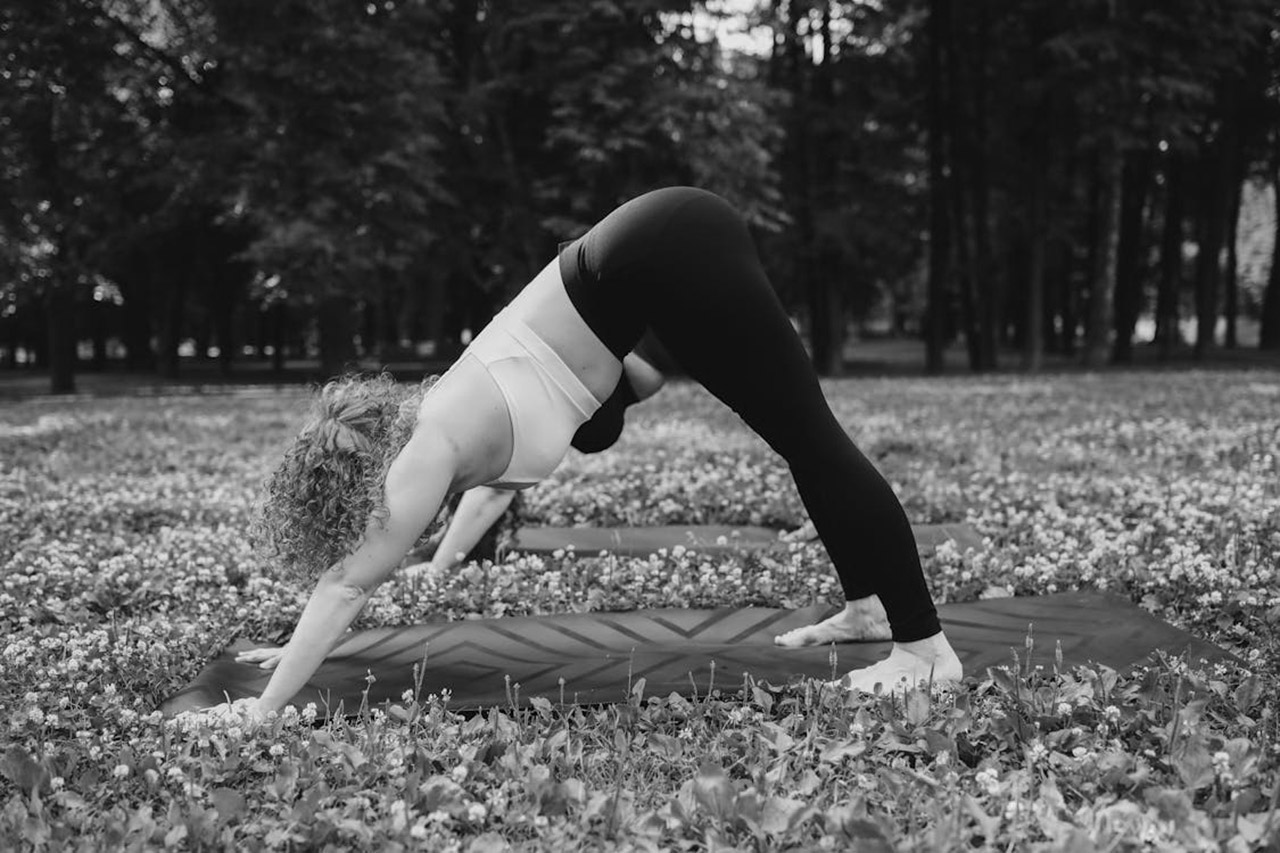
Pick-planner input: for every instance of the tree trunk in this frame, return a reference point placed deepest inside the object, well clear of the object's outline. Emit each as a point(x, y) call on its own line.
point(799, 165)
point(826, 301)
point(1171, 238)
point(173, 299)
point(1270, 333)
point(988, 289)
point(937, 305)
point(98, 332)
point(60, 294)
point(135, 287)
point(1102, 273)
point(1211, 232)
point(279, 336)
point(38, 336)
point(11, 342)
point(435, 310)
point(224, 306)
point(61, 315)
point(959, 139)
point(337, 336)
point(1230, 283)
point(1129, 271)
point(1037, 246)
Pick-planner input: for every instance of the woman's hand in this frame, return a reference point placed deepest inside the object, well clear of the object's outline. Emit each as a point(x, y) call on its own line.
point(265, 657)
point(245, 713)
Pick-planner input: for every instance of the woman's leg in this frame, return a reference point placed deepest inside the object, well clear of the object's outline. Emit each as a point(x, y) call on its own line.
point(699, 283)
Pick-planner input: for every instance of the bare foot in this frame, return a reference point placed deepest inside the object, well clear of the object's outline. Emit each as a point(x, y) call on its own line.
point(928, 661)
point(863, 619)
point(805, 533)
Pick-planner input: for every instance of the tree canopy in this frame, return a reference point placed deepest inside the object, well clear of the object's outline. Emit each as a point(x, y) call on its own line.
point(253, 179)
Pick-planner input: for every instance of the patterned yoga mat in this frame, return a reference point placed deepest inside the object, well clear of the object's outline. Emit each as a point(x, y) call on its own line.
point(714, 539)
point(599, 654)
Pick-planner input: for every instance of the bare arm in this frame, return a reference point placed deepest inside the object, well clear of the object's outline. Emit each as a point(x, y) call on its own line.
point(479, 509)
point(645, 379)
point(417, 484)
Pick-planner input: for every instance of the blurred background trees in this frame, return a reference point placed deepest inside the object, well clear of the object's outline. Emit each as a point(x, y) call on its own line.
point(242, 183)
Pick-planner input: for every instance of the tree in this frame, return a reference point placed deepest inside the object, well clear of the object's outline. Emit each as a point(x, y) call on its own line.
point(64, 78)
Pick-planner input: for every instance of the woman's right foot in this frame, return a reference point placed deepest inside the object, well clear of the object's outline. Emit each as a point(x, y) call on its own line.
point(861, 620)
point(931, 662)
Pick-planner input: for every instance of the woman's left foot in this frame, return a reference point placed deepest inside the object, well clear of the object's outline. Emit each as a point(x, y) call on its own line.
point(928, 662)
point(861, 620)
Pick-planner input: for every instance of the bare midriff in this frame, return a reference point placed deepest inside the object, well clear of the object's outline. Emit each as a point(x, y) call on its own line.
point(544, 306)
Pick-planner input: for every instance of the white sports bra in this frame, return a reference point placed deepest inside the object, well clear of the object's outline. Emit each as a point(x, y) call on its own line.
point(546, 400)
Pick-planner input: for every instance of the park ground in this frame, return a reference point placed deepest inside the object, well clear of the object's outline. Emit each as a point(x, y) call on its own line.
point(124, 566)
point(863, 357)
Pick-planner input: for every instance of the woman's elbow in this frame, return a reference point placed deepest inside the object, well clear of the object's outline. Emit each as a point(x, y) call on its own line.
point(344, 585)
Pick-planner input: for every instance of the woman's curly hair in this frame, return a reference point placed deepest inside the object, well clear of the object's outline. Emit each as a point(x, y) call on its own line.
point(320, 499)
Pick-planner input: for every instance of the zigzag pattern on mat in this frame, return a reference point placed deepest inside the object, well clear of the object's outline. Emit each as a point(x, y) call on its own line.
point(599, 654)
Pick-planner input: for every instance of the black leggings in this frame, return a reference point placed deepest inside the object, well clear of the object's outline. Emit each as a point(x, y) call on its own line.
point(681, 262)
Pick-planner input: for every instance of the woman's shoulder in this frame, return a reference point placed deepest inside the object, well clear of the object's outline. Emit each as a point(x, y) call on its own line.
point(465, 410)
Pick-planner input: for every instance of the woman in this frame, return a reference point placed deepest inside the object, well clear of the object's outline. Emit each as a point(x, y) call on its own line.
point(678, 261)
point(479, 509)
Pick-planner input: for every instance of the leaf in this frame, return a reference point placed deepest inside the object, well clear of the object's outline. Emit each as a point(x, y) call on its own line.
point(489, 842)
point(228, 803)
point(1252, 827)
point(1173, 804)
point(1003, 679)
point(671, 746)
point(713, 791)
point(763, 698)
point(867, 837)
point(780, 815)
point(1078, 841)
point(778, 738)
point(837, 751)
point(23, 770)
point(1248, 693)
point(937, 742)
point(918, 705)
point(1194, 763)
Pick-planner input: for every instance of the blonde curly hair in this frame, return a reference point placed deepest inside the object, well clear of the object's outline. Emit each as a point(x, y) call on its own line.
point(321, 497)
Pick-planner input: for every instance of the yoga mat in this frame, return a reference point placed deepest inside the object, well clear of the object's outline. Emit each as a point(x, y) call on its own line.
point(641, 541)
point(598, 654)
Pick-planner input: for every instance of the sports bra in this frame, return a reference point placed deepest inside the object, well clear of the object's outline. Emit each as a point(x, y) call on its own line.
point(545, 399)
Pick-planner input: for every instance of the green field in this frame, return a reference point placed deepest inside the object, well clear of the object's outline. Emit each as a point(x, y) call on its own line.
point(124, 567)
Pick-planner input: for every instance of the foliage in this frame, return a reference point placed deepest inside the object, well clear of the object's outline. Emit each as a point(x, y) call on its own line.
point(123, 567)
point(333, 157)
point(210, 159)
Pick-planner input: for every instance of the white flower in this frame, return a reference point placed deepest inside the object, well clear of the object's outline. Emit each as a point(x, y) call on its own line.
point(120, 771)
point(476, 812)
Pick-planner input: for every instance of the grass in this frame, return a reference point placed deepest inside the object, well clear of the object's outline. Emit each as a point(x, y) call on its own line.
point(123, 568)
